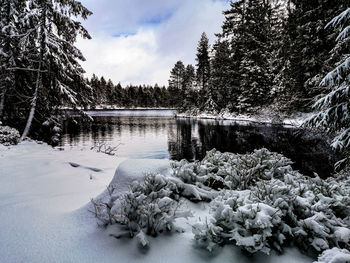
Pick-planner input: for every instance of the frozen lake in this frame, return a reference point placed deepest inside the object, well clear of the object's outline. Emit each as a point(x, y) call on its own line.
point(157, 134)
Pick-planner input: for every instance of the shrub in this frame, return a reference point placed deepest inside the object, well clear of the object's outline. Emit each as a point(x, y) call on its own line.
point(8, 136)
point(233, 171)
point(265, 203)
point(148, 208)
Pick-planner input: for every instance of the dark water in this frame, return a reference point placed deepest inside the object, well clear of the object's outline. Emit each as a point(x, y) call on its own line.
point(157, 134)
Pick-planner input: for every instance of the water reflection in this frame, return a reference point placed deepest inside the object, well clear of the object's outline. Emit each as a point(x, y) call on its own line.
point(161, 136)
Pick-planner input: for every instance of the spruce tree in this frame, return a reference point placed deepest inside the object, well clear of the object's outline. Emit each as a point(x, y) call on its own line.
point(188, 92)
point(334, 115)
point(305, 49)
point(203, 68)
point(224, 91)
point(249, 27)
point(176, 82)
point(12, 23)
point(53, 33)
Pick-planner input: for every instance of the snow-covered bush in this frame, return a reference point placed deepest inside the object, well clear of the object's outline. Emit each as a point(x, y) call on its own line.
point(233, 171)
point(148, 208)
point(258, 202)
point(334, 255)
point(250, 225)
point(270, 204)
point(8, 136)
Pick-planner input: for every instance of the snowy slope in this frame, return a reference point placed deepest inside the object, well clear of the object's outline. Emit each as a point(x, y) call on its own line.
point(44, 216)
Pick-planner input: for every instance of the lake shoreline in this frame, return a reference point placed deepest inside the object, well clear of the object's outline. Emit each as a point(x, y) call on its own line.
point(295, 120)
point(112, 108)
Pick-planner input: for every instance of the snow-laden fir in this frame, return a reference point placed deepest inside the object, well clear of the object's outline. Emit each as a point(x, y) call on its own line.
point(334, 107)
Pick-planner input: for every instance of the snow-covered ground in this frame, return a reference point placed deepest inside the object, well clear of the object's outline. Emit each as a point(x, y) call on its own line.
point(44, 212)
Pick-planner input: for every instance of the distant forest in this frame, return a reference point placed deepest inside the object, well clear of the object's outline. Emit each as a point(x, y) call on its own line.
point(269, 54)
point(106, 93)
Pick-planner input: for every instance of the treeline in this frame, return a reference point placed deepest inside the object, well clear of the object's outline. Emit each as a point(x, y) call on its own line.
point(268, 53)
point(106, 93)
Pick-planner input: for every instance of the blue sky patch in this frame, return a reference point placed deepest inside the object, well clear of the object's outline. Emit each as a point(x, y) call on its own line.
point(124, 34)
point(158, 19)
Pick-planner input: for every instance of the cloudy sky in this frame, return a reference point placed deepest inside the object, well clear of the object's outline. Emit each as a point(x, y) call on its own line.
point(139, 41)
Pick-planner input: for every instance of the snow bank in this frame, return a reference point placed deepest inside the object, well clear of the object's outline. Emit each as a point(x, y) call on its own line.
point(135, 169)
point(263, 118)
point(43, 217)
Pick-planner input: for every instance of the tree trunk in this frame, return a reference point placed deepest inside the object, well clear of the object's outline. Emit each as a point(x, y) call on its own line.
point(33, 104)
point(2, 102)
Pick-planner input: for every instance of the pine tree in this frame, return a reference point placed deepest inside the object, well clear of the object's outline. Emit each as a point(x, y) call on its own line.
point(56, 58)
point(249, 27)
point(306, 46)
point(176, 82)
point(203, 68)
point(109, 92)
point(334, 115)
point(11, 26)
point(188, 92)
point(224, 91)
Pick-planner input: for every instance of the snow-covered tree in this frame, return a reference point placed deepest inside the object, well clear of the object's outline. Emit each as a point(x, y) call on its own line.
point(305, 48)
point(334, 115)
point(188, 91)
point(176, 82)
point(11, 26)
point(203, 68)
point(224, 90)
point(249, 27)
point(51, 34)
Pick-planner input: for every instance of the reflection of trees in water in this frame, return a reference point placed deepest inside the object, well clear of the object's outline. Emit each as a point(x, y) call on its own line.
point(310, 152)
point(104, 128)
point(181, 143)
point(191, 139)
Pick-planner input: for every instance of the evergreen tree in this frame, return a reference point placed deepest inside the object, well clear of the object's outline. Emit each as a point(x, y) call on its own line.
point(176, 83)
point(56, 58)
point(334, 115)
point(109, 92)
point(203, 67)
point(188, 93)
point(249, 27)
point(224, 91)
point(233, 29)
point(118, 95)
point(12, 22)
point(306, 46)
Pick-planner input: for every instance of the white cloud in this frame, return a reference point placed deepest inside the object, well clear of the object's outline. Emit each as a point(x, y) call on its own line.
point(147, 55)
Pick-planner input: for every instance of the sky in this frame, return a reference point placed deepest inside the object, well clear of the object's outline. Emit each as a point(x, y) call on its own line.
point(139, 41)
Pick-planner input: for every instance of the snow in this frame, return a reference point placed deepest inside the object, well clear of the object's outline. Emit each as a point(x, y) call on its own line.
point(45, 214)
point(334, 255)
point(263, 118)
point(134, 169)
